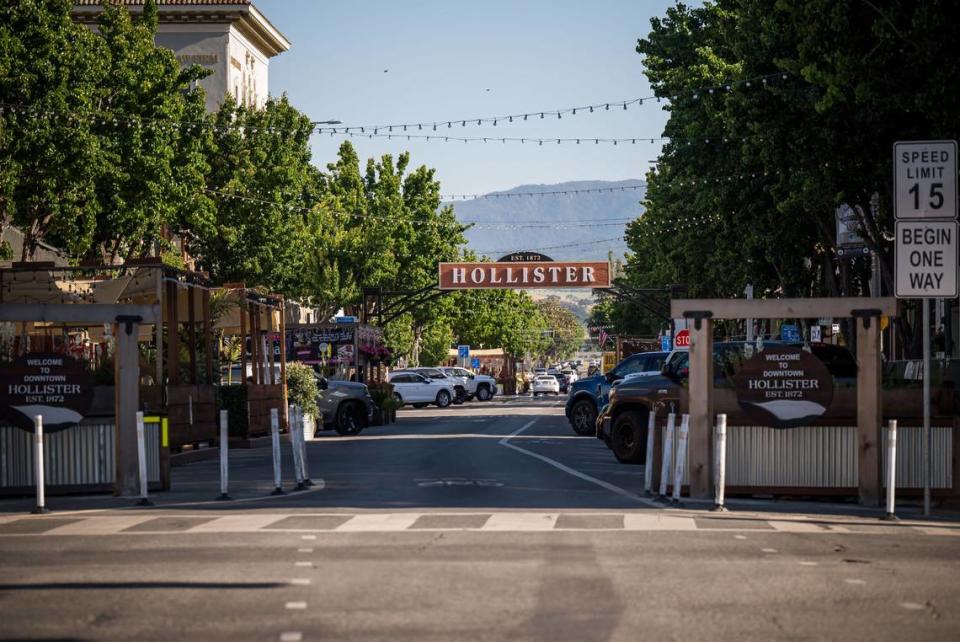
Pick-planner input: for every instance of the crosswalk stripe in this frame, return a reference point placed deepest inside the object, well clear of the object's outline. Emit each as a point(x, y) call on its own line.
point(99, 525)
point(379, 522)
point(521, 522)
point(657, 522)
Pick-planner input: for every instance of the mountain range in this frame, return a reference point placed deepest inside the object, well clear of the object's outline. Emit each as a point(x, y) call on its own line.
point(582, 224)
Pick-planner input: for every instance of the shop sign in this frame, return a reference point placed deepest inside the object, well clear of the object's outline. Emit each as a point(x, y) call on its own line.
point(55, 386)
point(784, 386)
point(531, 274)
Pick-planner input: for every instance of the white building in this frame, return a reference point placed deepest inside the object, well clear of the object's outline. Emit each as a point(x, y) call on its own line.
point(229, 37)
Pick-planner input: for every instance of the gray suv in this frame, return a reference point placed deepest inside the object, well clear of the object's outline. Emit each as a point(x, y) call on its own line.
point(346, 406)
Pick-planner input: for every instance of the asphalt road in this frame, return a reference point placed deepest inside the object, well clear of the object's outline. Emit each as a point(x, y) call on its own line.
point(482, 522)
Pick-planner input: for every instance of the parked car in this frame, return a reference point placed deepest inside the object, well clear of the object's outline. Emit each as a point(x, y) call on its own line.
point(345, 406)
point(544, 384)
point(438, 374)
point(479, 386)
point(588, 395)
point(562, 380)
point(420, 391)
point(622, 422)
point(571, 375)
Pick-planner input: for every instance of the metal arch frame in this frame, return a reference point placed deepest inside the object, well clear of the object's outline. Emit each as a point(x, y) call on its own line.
point(399, 302)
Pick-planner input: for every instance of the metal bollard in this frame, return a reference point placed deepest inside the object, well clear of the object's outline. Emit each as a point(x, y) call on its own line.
point(275, 443)
point(891, 471)
point(667, 456)
point(721, 463)
point(224, 457)
point(142, 462)
point(648, 464)
point(681, 459)
point(38, 473)
point(303, 447)
point(295, 447)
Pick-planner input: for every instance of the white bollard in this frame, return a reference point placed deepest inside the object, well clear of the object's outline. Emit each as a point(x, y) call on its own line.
point(648, 464)
point(224, 455)
point(295, 446)
point(303, 448)
point(681, 459)
point(275, 443)
point(38, 473)
point(142, 461)
point(891, 470)
point(721, 462)
point(667, 455)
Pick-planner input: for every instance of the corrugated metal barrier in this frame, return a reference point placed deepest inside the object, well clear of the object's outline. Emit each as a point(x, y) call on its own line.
point(80, 456)
point(826, 456)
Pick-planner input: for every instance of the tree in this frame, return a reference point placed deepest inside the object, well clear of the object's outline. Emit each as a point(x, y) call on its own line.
point(50, 71)
point(566, 333)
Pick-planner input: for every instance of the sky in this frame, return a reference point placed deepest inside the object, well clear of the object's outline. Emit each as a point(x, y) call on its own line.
point(384, 61)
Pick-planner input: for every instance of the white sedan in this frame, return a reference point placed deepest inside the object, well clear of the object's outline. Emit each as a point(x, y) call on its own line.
point(544, 384)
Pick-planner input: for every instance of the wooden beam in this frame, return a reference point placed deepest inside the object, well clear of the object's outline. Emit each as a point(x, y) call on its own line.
point(837, 307)
point(158, 328)
point(283, 361)
point(701, 410)
point(192, 333)
point(208, 344)
point(869, 410)
point(243, 341)
point(94, 313)
point(127, 403)
point(173, 334)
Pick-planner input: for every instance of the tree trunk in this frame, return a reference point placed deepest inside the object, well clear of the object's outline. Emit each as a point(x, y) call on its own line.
point(417, 341)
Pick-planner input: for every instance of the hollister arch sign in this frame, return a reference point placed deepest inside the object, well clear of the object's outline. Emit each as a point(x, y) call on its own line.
point(525, 274)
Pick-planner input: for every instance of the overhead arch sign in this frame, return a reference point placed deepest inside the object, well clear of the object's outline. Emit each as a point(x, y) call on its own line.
point(525, 274)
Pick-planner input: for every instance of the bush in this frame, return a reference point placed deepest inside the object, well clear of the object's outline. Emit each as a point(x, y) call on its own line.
point(382, 395)
point(233, 399)
point(302, 387)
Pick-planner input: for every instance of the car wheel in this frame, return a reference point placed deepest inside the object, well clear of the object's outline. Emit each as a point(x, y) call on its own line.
point(349, 419)
point(460, 395)
point(483, 393)
point(443, 399)
point(628, 438)
point(583, 417)
point(420, 405)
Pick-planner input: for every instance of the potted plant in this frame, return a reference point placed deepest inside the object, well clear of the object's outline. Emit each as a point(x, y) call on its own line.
point(382, 395)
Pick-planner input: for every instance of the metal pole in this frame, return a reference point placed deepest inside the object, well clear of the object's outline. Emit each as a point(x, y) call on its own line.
point(41, 506)
point(142, 461)
point(667, 456)
point(275, 443)
point(721, 462)
point(303, 448)
point(648, 465)
point(926, 407)
point(891, 470)
point(295, 447)
point(224, 455)
point(680, 464)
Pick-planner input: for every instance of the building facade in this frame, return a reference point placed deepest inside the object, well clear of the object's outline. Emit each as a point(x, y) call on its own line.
point(231, 38)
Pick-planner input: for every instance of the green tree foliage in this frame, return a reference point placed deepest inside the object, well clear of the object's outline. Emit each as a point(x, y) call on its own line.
point(50, 72)
point(507, 319)
point(566, 333)
point(267, 192)
point(302, 387)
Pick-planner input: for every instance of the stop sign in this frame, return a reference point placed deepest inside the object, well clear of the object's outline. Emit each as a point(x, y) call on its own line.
point(682, 340)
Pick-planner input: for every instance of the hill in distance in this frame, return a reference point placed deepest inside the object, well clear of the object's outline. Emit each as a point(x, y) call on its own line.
point(599, 216)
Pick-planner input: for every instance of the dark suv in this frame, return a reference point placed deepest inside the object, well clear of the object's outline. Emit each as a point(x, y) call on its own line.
point(588, 395)
point(622, 422)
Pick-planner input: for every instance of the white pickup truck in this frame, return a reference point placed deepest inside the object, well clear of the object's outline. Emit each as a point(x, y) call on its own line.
point(481, 387)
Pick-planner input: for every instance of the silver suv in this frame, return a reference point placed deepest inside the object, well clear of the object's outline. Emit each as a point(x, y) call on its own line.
point(346, 406)
point(481, 387)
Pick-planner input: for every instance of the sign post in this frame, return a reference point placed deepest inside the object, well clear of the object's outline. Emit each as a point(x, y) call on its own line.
point(925, 205)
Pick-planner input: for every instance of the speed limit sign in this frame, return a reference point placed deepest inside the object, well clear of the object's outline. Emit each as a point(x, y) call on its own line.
point(925, 179)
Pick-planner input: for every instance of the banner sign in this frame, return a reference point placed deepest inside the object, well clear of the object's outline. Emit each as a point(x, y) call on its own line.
point(784, 386)
point(55, 386)
point(547, 274)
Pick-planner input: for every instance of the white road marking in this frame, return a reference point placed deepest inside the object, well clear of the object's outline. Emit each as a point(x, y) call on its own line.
point(851, 580)
point(570, 471)
point(304, 550)
point(657, 522)
point(291, 636)
point(795, 527)
point(300, 581)
point(912, 606)
point(521, 522)
point(295, 606)
point(237, 523)
point(99, 525)
point(739, 537)
point(769, 550)
point(933, 530)
point(308, 537)
point(808, 563)
point(379, 522)
point(303, 564)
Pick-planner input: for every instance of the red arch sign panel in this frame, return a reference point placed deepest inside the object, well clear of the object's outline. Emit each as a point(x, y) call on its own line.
point(532, 274)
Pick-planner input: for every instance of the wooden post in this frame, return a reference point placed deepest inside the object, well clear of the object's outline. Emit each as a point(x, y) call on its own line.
point(283, 357)
point(192, 333)
point(243, 338)
point(272, 357)
point(158, 330)
point(869, 409)
point(127, 401)
point(701, 409)
point(208, 344)
point(255, 344)
point(173, 334)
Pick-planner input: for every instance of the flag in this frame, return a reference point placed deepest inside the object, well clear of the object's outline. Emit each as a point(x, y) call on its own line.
point(602, 338)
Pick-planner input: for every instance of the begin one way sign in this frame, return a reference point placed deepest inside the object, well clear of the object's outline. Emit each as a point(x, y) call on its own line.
point(926, 259)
